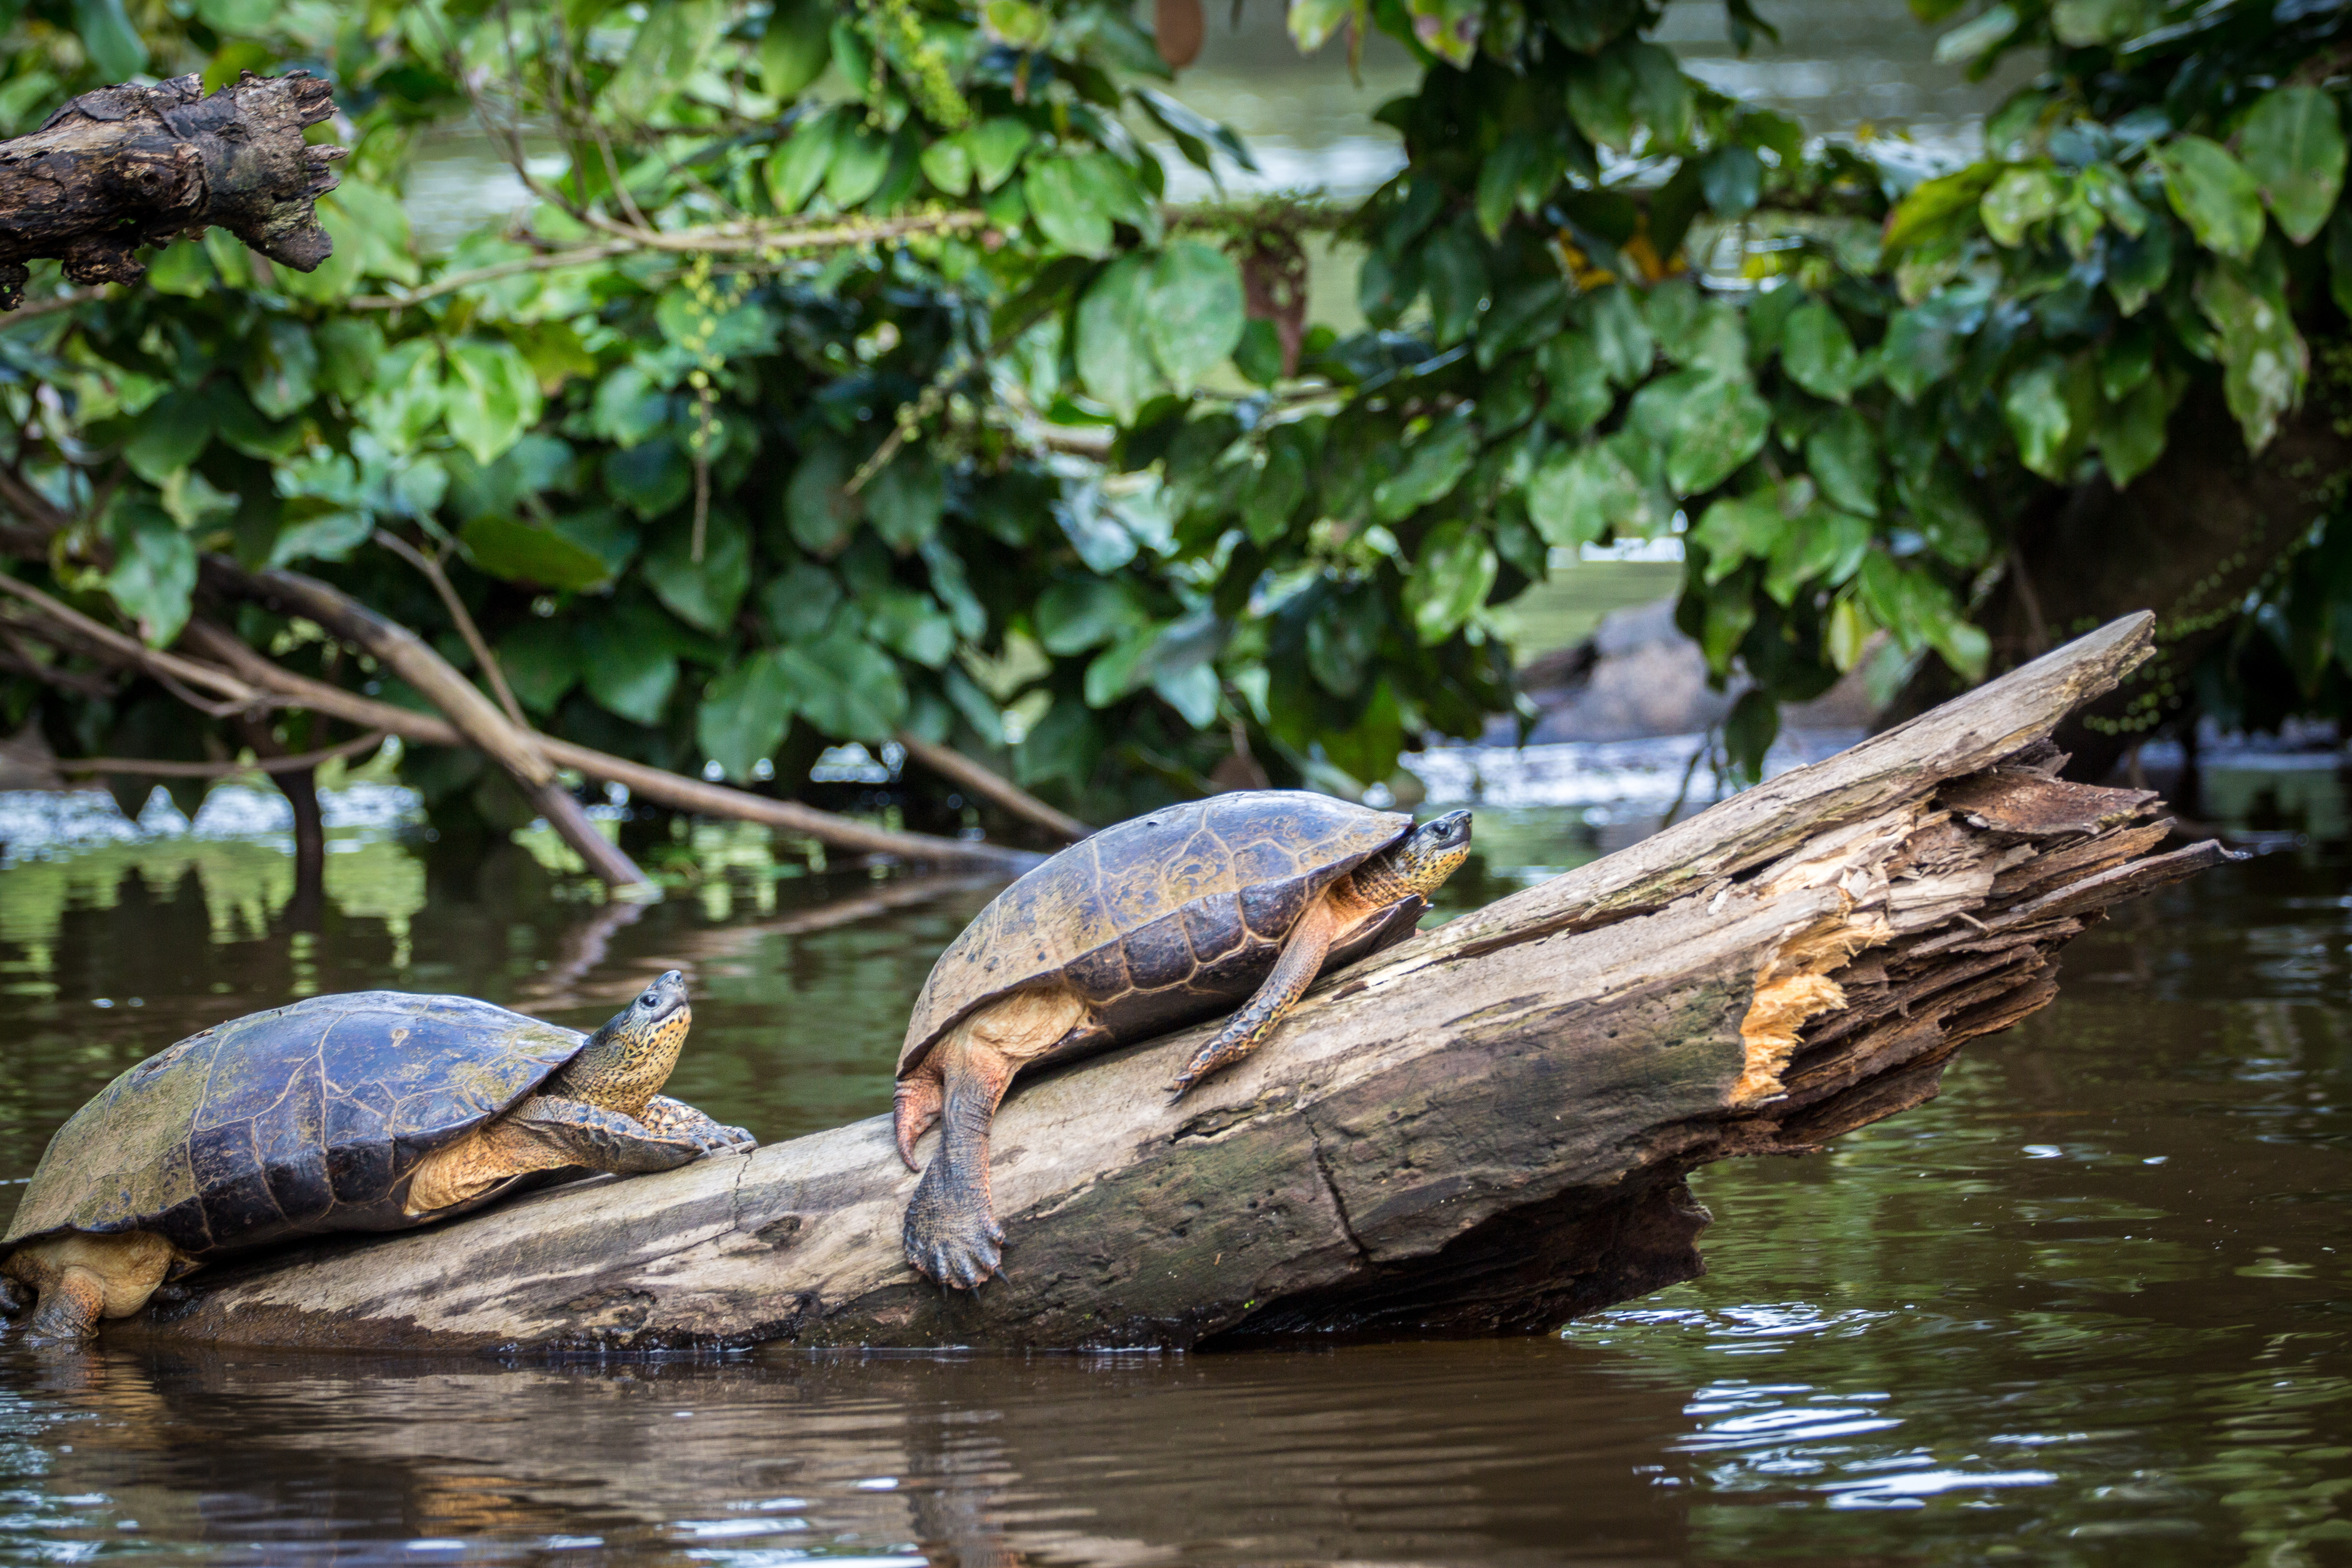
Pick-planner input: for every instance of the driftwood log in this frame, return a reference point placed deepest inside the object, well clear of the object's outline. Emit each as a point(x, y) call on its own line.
point(1487, 1128)
point(129, 166)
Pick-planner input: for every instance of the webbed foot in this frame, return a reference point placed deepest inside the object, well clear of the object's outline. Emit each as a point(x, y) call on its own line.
point(951, 1236)
point(69, 1308)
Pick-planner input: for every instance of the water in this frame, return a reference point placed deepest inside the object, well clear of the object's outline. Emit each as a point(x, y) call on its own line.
point(2093, 1305)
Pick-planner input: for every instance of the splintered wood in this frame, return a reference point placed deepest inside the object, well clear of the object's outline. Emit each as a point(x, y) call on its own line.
point(1485, 1128)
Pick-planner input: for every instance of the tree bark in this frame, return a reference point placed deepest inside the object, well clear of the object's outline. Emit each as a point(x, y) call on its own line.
point(1483, 1130)
point(2189, 540)
point(129, 166)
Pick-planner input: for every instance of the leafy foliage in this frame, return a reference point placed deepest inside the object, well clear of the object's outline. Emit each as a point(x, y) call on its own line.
point(850, 375)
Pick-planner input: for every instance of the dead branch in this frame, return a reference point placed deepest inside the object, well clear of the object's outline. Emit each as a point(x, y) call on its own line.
point(129, 166)
point(973, 778)
point(159, 768)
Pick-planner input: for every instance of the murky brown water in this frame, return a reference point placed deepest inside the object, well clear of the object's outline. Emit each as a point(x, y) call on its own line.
point(2093, 1305)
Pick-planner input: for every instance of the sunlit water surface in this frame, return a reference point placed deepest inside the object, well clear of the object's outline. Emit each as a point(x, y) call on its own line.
point(2090, 1306)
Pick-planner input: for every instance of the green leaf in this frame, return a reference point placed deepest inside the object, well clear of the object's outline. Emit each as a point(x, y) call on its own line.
point(2049, 406)
point(350, 348)
point(520, 552)
point(1723, 423)
point(1578, 497)
point(2265, 360)
point(2292, 144)
point(847, 687)
point(1075, 200)
point(2081, 24)
point(1574, 370)
point(1195, 318)
point(2131, 432)
point(818, 508)
point(493, 399)
point(910, 624)
point(627, 671)
point(2137, 267)
point(1819, 353)
point(906, 498)
point(796, 47)
point(1434, 464)
point(1971, 40)
point(2019, 199)
point(1733, 179)
point(1921, 349)
point(947, 165)
point(1620, 336)
point(1074, 615)
point(744, 714)
point(669, 47)
point(281, 367)
point(1450, 576)
point(860, 159)
point(1453, 262)
point(406, 398)
point(1601, 98)
point(154, 575)
point(541, 661)
point(1738, 529)
point(798, 167)
point(649, 479)
point(703, 592)
point(1820, 545)
point(1842, 456)
point(1115, 360)
point(800, 601)
point(2214, 196)
point(1930, 209)
point(169, 433)
point(996, 147)
point(1748, 731)
point(114, 44)
point(1312, 22)
point(1662, 94)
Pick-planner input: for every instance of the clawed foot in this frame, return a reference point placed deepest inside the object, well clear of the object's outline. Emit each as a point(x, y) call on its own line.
point(949, 1244)
point(719, 1138)
point(1207, 1062)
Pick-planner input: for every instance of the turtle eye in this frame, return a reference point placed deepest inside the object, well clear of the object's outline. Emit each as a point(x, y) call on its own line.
point(648, 1000)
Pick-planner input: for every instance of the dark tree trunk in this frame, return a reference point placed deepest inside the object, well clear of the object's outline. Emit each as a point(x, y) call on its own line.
point(1483, 1130)
point(2189, 539)
point(129, 166)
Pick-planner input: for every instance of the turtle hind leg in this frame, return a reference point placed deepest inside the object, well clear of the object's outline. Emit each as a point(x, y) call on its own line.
point(951, 1232)
point(79, 1277)
point(1294, 972)
point(71, 1305)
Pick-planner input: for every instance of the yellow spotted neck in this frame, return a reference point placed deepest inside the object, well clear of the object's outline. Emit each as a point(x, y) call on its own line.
point(622, 1069)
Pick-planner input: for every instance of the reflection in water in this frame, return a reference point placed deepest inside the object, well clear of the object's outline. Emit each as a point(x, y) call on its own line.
point(1526, 1451)
point(2092, 1302)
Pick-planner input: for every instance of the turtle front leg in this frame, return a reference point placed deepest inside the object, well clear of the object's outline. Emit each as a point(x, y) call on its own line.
point(674, 1119)
point(1294, 972)
point(950, 1233)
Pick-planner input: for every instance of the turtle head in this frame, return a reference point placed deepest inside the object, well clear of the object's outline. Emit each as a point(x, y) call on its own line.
point(1419, 862)
point(626, 1063)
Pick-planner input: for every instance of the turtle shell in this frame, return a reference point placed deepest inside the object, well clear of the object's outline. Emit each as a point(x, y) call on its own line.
point(304, 1119)
point(1164, 919)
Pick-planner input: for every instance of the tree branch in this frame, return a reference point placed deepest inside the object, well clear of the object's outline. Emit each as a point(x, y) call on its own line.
point(129, 166)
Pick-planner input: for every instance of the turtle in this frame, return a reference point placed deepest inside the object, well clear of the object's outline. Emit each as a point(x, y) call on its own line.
point(1162, 920)
point(364, 1111)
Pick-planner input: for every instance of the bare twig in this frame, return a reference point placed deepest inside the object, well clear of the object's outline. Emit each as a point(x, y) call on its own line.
point(973, 778)
point(131, 651)
point(171, 770)
point(458, 612)
point(777, 240)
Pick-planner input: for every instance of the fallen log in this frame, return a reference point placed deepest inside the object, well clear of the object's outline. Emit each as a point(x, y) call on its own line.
point(1485, 1128)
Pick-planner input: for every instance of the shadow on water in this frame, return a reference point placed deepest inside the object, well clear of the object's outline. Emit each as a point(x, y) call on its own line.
point(2093, 1305)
